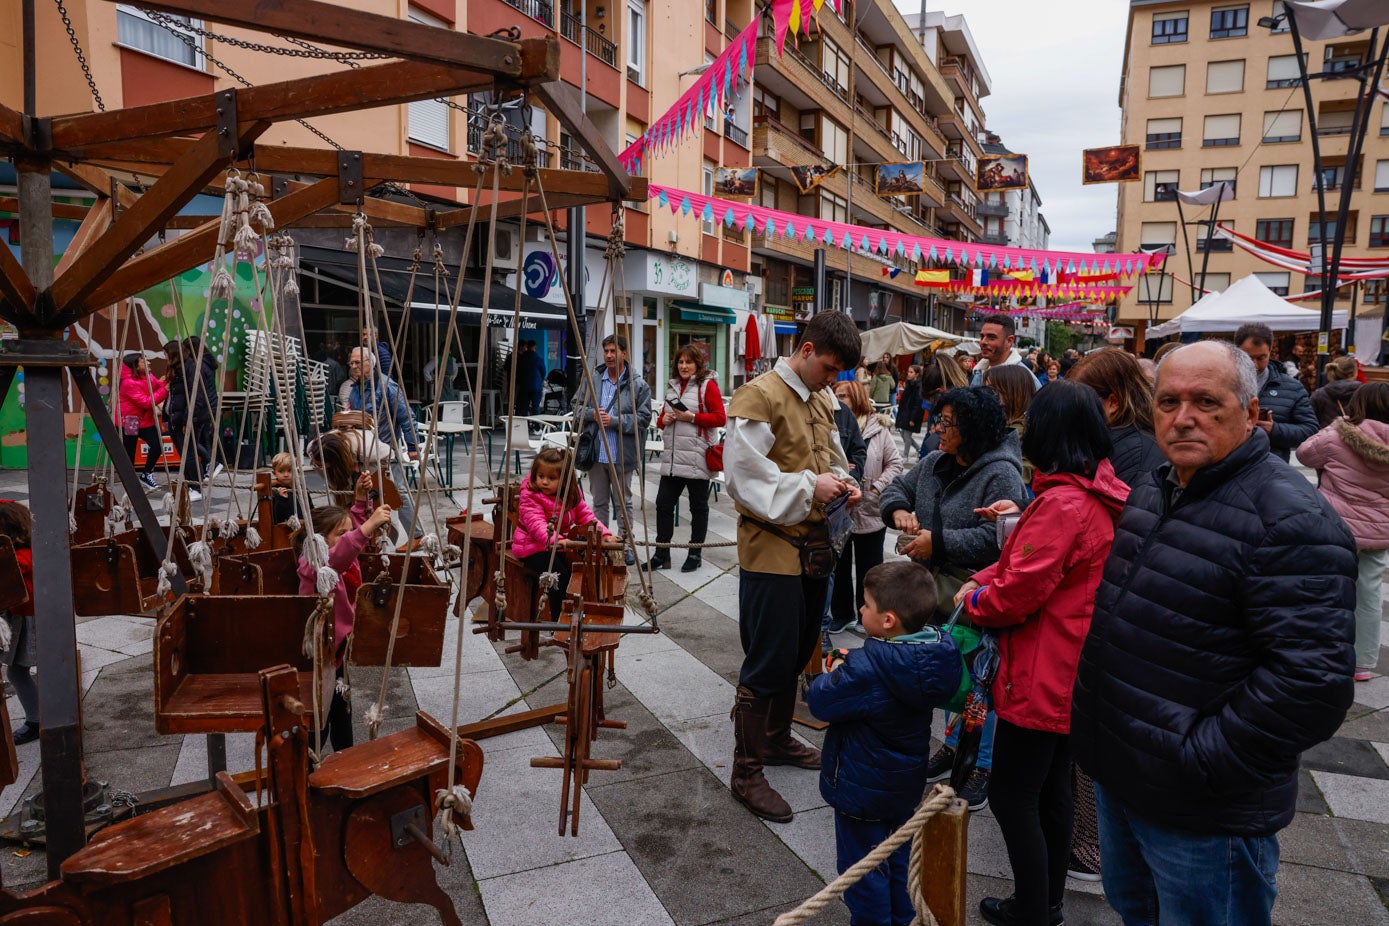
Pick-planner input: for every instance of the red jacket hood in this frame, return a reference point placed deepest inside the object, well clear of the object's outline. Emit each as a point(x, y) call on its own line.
point(1108, 488)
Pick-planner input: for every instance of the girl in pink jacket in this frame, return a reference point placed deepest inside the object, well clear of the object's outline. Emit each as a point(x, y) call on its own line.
point(1353, 457)
point(346, 533)
point(539, 523)
point(140, 392)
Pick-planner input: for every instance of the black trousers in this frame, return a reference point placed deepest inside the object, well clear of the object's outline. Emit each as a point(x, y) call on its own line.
point(779, 623)
point(338, 727)
point(861, 553)
point(155, 447)
point(668, 496)
point(1030, 792)
point(540, 562)
point(199, 449)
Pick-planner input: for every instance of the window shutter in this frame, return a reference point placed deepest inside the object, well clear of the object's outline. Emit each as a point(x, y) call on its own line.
point(427, 121)
point(1278, 180)
point(1282, 67)
point(1164, 126)
point(1156, 233)
point(1220, 127)
point(1338, 121)
point(1225, 77)
point(1381, 176)
point(1283, 124)
point(1167, 81)
point(1278, 282)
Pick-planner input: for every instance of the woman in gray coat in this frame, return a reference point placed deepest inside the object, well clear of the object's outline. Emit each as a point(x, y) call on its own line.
point(690, 417)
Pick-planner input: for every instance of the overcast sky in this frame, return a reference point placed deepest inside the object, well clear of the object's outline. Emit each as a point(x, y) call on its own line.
point(1055, 72)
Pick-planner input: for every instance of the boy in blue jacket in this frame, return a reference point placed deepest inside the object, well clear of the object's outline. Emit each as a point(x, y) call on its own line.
point(878, 702)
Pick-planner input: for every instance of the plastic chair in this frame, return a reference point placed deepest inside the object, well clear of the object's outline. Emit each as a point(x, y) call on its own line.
point(518, 427)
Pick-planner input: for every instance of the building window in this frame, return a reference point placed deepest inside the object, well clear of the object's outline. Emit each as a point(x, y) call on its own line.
point(1155, 235)
point(1379, 231)
point(835, 65)
point(1282, 125)
point(427, 121)
point(1160, 186)
point(1229, 22)
point(834, 141)
point(767, 188)
point(1314, 229)
point(1384, 119)
point(1283, 72)
point(1225, 77)
point(765, 103)
point(1210, 176)
point(1334, 122)
point(1221, 131)
point(1155, 288)
point(136, 30)
point(636, 42)
point(708, 227)
point(1340, 58)
point(1167, 81)
point(1280, 13)
point(1374, 291)
point(1169, 28)
point(1275, 231)
point(1217, 282)
point(1277, 181)
point(1164, 133)
point(1333, 175)
point(711, 11)
point(1382, 176)
point(833, 208)
point(1277, 282)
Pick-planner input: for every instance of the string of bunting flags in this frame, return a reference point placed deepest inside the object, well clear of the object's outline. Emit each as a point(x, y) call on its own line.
point(1049, 264)
point(1070, 312)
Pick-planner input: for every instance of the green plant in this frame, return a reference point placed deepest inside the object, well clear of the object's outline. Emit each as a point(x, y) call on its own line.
point(1059, 338)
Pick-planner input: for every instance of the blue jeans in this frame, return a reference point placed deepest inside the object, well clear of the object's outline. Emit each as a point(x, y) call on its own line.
point(1156, 876)
point(986, 741)
point(880, 899)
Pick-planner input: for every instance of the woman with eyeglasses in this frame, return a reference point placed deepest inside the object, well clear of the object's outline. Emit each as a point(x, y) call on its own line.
point(977, 462)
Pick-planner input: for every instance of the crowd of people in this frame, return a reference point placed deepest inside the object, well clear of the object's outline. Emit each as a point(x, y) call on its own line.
point(1170, 613)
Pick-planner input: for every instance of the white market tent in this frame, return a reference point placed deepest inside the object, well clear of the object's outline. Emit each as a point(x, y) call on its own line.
point(902, 338)
point(1248, 300)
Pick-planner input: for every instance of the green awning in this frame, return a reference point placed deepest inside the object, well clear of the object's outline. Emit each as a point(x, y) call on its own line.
point(707, 314)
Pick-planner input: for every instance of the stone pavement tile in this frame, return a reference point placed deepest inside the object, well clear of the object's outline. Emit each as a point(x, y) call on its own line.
point(1357, 798)
point(711, 740)
point(708, 635)
point(456, 880)
point(1082, 909)
point(675, 686)
point(703, 854)
point(1374, 693)
point(140, 769)
point(478, 655)
point(1317, 896)
point(1347, 757)
point(517, 818)
point(1338, 843)
point(94, 657)
point(834, 915)
point(192, 757)
point(398, 709)
point(810, 834)
point(118, 634)
point(119, 709)
point(1383, 750)
point(1367, 725)
point(606, 890)
point(1309, 798)
point(480, 695)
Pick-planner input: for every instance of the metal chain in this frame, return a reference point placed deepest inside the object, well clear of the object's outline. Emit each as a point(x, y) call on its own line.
point(305, 51)
point(81, 58)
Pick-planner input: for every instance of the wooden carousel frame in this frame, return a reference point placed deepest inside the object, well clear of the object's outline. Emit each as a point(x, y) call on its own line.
point(186, 145)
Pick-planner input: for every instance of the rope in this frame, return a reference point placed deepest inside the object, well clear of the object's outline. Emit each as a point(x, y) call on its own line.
point(939, 799)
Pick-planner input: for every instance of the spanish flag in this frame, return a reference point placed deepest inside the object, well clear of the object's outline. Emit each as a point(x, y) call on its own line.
point(932, 277)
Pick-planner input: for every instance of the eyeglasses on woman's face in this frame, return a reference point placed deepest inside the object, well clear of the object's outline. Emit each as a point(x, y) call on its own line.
point(945, 424)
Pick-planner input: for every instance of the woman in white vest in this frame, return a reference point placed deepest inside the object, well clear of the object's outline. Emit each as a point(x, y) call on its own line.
point(691, 417)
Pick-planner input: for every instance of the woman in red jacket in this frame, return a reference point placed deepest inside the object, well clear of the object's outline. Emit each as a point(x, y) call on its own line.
point(140, 394)
point(1040, 595)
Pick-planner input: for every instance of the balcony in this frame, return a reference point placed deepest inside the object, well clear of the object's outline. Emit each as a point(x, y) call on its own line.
point(998, 209)
point(539, 10)
point(570, 27)
point(734, 134)
point(999, 240)
point(514, 152)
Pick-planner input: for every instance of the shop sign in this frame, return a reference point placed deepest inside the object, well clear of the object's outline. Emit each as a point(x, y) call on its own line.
point(724, 296)
point(662, 275)
point(778, 311)
point(803, 294)
point(1120, 333)
point(540, 274)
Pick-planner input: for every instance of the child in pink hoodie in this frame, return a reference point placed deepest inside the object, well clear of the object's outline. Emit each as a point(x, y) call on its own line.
point(539, 523)
point(346, 533)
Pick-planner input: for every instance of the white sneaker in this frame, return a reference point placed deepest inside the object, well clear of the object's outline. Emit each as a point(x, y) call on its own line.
point(216, 471)
point(194, 495)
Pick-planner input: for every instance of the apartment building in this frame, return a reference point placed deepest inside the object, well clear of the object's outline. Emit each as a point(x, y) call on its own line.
point(1211, 95)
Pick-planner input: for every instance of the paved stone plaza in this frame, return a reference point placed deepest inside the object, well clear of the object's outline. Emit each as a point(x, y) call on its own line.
point(662, 841)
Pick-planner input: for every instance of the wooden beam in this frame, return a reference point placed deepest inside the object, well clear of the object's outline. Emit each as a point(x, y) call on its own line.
point(562, 100)
point(512, 207)
point(183, 181)
point(98, 181)
point(187, 251)
point(10, 205)
point(11, 126)
point(340, 25)
point(97, 220)
point(17, 293)
point(342, 91)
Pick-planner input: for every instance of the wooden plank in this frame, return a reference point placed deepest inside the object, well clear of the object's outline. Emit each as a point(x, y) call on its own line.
point(17, 294)
point(170, 193)
point(562, 100)
point(99, 181)
point(95, 222)
point(510, 723)
point(195, 247)
point(305, 97)
point(60, 210)
point(334, 24)
point(512, 207)
point(943, 867)
point(11, 125)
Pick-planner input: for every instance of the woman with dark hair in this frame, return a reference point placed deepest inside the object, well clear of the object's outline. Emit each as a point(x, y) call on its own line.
point(692, 413)
point(910, 410)
point(1353, 456)
point(883, 385)
point(1127, 398)
point(942, 373)
point(191, 401)
point(1331, 401)
point(865, 548)
point(138, 395)
point(935, 505)
point(1041, 595)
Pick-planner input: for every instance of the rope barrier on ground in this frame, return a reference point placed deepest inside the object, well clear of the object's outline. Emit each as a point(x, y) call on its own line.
point(939, 799)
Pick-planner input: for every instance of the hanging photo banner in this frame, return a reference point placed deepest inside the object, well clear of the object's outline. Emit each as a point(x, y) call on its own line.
point(1001, 172)
point(906, 179)
point(735, 181)
point(812, 175)
point(1116, 164)
point(888, 243)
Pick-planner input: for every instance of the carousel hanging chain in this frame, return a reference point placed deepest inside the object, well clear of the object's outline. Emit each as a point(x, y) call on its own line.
point(81, 57)
point(304, 51)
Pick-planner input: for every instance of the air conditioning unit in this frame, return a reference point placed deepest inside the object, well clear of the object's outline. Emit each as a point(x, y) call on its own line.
point(506, 249)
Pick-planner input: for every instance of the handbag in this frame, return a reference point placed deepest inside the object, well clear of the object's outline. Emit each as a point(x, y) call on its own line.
point(817, 550)
point(130, 425)
point(949, 579)
point(713, 452)
point(586, 448)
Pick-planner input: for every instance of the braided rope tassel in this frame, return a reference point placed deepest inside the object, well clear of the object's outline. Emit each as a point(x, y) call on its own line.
point(447, 802)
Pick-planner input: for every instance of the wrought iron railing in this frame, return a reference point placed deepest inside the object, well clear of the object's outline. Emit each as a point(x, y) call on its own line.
point(596, 44)
point(539, 10)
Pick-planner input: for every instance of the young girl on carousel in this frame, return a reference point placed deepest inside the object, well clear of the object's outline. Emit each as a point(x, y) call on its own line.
point(540, 523)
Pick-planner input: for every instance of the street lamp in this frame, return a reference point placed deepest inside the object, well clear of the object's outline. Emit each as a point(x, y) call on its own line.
point(1327, 23)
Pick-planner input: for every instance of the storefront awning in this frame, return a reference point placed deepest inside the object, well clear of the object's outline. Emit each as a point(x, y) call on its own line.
point(705, 314)
point(425, 304)
point(786, 328)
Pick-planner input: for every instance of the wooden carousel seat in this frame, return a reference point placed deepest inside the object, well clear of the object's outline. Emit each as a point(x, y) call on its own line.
point(119, 575)
point(594, 641)
point(138, 848)
point(235, 575)
point(479, 581)
point(208, 650)
point(91, 504)
point(12, 589)
point(375, 766)
point(423, 604)
point(260, 572)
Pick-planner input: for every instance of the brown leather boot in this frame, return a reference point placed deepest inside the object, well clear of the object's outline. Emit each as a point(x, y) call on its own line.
point(749, 785)
point(782, 747)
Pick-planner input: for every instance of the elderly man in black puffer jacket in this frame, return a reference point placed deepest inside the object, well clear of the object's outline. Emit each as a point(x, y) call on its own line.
point(1289, 418)
point(1221, 648)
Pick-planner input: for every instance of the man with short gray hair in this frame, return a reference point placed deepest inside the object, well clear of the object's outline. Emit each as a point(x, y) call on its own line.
point(1220, 649)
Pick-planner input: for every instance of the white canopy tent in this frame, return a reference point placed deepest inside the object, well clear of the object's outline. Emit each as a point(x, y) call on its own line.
point(1248, 300)
point(903, 338)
